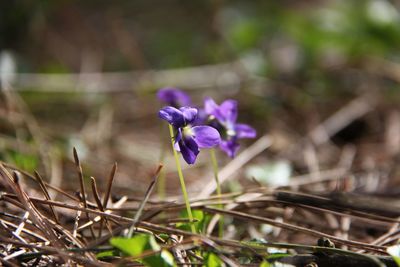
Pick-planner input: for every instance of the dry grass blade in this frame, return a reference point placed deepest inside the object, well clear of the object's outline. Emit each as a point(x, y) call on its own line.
point(54, 251)
point(232, 167)
point(96, 193)
point(48, 228)
point(42, 239)
point(39, 179)
point(254, 218)
point(24, 230)
point(37, 218)
point(8, 263)
point(107, 194)
point(143, 203)
point(15, 254)
point(99, 205)
point(18, 230)
point(109, 185)
point(76, 223)
point(80, 175)
point(26, 174)
point(257, 246)
point(82, 185)
point(356, 204)
point(341, 118)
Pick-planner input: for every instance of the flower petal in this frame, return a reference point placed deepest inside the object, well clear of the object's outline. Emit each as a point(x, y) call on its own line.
point(226, 113)
point(206, 136)
point(177, 139)
point(177, 147)
point(210, 106)
point(189, 150)
point(201, 117)
point(245, 131)
point(172, 115)
point(230, 147)
point(189, 114)
point(229, 110)
point(174, 97)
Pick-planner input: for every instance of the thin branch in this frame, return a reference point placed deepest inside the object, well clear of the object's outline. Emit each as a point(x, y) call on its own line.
point(82, 185)
point(39, 179)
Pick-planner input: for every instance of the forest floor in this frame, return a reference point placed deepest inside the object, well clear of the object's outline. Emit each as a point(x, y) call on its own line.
point(89, 179)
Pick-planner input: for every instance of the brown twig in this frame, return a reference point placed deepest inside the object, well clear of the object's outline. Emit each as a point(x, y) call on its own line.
point(46, 194)
point(109, 185)
point(82, 185)
point(248, 217)
point(146, 197)
point(99, 205)
point(108, 191)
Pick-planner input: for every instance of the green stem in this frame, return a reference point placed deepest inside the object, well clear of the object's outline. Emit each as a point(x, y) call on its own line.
point(180, 174)
point(215, 169)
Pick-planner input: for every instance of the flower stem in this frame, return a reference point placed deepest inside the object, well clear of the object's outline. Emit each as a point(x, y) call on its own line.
point(216, 170)
point(180, 174)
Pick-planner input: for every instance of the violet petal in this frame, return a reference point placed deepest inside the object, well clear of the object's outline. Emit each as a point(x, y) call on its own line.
point(229, 110)
point(244, 131)
point(206, 136)
point(173, 96)
point(172, 115)
point(230, 147)
point(211, 108)
point(189, 114)
point(201, 117)
point(177, 139)
point(189, 150)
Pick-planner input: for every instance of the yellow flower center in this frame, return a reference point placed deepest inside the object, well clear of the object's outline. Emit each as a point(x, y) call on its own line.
point(230, 132)
point(187, 131)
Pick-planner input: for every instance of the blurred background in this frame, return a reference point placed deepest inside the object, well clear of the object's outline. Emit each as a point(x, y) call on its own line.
point(321, 78)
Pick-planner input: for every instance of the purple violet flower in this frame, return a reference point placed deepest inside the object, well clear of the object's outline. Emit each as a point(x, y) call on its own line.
point(173, 97)
point(188, 139)
point(223, 118)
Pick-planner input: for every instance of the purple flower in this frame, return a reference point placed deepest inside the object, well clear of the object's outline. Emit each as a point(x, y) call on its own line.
point(188, 139)
point(201, 118)
point(173, 97)
point(223, 118)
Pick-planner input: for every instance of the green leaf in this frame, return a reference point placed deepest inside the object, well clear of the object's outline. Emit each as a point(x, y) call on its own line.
point(397, 260)
point(133, 246)
point(168, 258)
point(212, 260)
point(276, 256)
point(163, 236)
point(105, 254)
point(394, 251)
point(140, 243)
point(199, 216)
